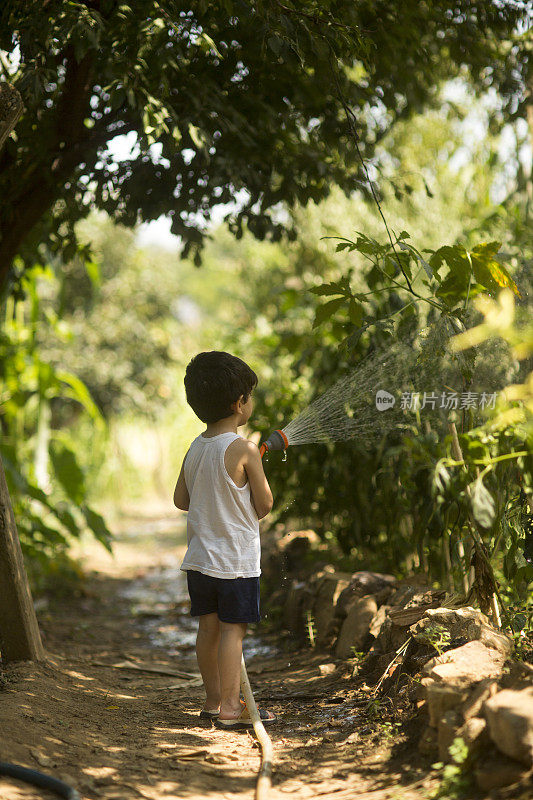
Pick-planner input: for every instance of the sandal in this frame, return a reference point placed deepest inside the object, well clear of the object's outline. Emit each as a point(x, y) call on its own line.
point(244, 720)
point(209, 714)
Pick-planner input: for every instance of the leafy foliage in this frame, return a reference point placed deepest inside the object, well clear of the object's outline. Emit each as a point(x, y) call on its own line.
point(394, 505)
point(122, 332)
point(229, 103)
point(223, 100)
point(48, 513)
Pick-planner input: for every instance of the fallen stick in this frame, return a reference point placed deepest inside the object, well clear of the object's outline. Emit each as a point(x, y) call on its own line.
point(196, 681)
point(156, 670)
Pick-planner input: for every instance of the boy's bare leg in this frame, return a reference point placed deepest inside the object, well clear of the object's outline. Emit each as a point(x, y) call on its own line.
point(229, 665)
point(207, 644)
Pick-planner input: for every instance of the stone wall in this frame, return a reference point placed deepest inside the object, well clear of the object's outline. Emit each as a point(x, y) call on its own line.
point(461, 667)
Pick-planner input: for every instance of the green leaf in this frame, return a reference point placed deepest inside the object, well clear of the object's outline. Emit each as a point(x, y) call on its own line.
point(403, 258)
point(355, 312)
point(488, 271)
point(36, 494)
point(79, 392)
point(524, 573)
point(385, 325)
point(328, 289)
point(97, 524)
point(456, 259)
point(482, 504)
point(369, 246)
point(429, 271)
point(67, 471)
point(454, 288)
point(51, 536)
point(67, 519)
point(414, 252)
point(327, 310)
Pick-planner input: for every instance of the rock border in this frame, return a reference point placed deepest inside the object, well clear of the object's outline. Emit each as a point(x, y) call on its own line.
point(456, 660)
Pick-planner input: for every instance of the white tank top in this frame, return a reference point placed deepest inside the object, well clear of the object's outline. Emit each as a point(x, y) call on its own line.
point(222, 525)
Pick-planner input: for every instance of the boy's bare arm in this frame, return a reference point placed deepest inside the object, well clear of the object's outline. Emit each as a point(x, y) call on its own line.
point(259, 488)
point(181, 493)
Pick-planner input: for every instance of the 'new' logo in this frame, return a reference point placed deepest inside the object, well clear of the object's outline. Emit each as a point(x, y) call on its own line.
point(384, 400)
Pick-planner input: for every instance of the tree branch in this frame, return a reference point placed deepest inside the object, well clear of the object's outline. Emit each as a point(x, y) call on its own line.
point(74, 102)
point(315, 20)
point(11, 108)
point(45, 187)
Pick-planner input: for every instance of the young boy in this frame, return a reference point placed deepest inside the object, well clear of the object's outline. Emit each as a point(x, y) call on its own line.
point(223, 487)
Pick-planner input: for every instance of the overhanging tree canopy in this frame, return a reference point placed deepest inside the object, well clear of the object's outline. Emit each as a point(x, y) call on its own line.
point(237, 95)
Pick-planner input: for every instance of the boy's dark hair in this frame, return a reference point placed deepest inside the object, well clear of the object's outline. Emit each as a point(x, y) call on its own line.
point(215, 380)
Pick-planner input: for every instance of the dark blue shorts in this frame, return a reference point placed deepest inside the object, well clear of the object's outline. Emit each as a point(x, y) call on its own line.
point(233, 599)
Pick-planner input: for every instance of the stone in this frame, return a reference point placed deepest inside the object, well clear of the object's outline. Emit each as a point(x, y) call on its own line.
point(475, 734)
point(509, 716)
point(288, 553)
point(463, 623)
point(361, 584)
point(316, 579)
point(474, 703)
point(421, 688)
point(378, 621)
point(391, 637)
point(404, 607)
point(355, 628)
point(383, 595)
point(402, 596)
point(374, 665)
point(407, 617)
point(449, 724)
point(443, 697)
point(293, 612)
point(416, 657)
point(496, 771)
point(467, 664)
point(520, 676)
point(329, 589)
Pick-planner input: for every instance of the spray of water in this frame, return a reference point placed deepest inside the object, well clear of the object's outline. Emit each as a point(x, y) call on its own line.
point(349, 409)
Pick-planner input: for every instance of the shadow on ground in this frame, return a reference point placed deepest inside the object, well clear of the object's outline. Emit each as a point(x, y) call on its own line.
point(126, 731)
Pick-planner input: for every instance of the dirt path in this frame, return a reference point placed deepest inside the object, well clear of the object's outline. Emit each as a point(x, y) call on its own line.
point(117, 733)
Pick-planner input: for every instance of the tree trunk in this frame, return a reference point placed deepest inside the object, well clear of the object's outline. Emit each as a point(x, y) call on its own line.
point(19, 632)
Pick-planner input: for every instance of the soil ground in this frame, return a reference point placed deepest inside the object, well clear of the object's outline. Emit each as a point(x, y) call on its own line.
point(116, 732)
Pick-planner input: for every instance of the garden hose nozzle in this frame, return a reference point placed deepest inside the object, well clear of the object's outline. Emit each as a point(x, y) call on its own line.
point(276, 441)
